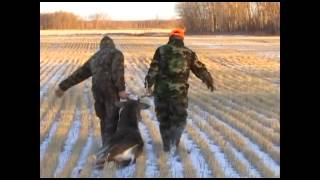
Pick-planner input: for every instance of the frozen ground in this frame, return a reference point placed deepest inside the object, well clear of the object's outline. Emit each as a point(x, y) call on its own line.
point(229, 58)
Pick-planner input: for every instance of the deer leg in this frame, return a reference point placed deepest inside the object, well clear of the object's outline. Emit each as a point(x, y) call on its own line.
point(133, 160)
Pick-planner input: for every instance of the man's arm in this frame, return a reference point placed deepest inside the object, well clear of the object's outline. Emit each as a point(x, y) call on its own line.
point(200, 70)
point(117, 70)
point(153, 70)
point(78, 76)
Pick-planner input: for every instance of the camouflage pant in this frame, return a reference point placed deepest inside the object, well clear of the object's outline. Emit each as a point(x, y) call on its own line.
point(108, 113)
point(172, 114)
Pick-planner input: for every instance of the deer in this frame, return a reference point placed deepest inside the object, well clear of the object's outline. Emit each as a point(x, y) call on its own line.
point(126, 145)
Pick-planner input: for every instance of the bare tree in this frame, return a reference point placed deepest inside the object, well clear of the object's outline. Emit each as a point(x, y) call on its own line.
point(208, 17)
point(65, 20)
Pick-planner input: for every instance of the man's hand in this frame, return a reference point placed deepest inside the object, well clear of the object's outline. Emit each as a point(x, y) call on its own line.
point(123, 95)
point(148, 91)
point(211, 87)
point(59, 93)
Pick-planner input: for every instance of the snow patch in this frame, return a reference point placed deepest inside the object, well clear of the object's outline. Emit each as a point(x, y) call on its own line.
point(252, 170)
point(45, 143)
point(126, 172)
point(208, 45)
point(69, 143)
point(219, 156)
point(256, 149)
point(152, 169)
point(198, 161)
point(83, 156)
point(174, 162)
point(96, 173)
point(44, 88)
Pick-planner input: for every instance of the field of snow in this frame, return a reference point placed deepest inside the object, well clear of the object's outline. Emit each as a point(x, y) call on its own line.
point(232, 132)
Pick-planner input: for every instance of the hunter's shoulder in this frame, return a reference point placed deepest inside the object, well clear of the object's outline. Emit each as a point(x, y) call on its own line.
point(185, 48)
point(117, 52)
point(164, 49)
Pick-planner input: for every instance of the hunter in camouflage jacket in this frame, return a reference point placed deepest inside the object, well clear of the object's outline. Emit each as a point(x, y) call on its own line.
point(169, 72)
point(106, 67)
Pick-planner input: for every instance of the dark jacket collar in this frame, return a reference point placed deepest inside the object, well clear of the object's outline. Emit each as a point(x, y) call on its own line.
point(174, 41)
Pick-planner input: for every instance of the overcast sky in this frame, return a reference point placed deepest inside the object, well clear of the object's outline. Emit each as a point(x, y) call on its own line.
point(115, 10)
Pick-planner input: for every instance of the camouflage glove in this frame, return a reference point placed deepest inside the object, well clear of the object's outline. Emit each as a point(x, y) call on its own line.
point(59, 93)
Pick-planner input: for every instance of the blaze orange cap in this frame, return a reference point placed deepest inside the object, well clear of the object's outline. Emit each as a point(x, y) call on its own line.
point(177, 32)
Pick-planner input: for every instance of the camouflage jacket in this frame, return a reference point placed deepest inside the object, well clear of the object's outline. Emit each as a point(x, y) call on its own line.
point(106, 67)
point(170, 68)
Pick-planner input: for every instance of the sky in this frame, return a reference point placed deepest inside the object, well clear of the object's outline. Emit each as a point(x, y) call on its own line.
point(115, 10)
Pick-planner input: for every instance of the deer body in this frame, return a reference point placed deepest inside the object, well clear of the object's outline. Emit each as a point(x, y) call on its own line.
point(126, 144)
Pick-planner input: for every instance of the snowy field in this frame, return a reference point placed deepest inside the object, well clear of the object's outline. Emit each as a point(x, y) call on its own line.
point(233, 132)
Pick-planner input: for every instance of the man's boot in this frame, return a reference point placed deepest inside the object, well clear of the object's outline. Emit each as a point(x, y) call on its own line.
point(177, 132)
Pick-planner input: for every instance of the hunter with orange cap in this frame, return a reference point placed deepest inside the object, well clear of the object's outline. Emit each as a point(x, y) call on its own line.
point(169, 72)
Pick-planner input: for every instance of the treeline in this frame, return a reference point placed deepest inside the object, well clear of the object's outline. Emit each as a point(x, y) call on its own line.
point(196, 17)
point(66, 20)
point(224, 17)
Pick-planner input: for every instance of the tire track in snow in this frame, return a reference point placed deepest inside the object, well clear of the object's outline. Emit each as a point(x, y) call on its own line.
point(219, 156)
point(70, 141)
point(152, 169)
